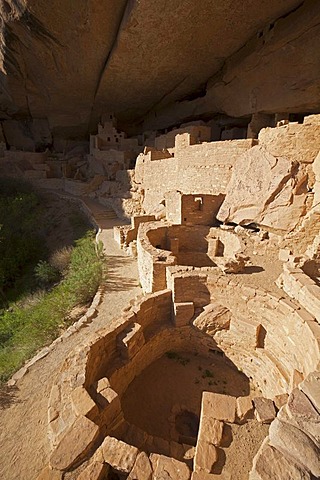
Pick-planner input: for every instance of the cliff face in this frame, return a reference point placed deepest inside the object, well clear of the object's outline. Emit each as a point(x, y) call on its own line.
point(156, 63)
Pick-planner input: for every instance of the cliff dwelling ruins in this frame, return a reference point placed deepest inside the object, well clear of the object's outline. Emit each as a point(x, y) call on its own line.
point(199, 168)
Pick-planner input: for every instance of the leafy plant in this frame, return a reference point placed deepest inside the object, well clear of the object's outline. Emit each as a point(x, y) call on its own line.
point(20, 241)
point(60, 259)
point(45, 273)
point(176, 356)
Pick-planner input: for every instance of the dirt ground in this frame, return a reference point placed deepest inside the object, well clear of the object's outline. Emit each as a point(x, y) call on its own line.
point(236, 459)
point(170, 385)
point(178, 382)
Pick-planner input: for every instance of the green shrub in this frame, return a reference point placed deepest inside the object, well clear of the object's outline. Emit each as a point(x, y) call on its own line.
point(20, 241)
point(45, 273)
point(60, 259)
point(32, 317)
point(24, 330)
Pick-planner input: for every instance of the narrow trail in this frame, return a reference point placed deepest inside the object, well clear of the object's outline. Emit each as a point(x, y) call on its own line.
point(24, 449)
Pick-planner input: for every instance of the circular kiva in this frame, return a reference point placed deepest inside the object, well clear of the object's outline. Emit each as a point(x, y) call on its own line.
point(266, 345)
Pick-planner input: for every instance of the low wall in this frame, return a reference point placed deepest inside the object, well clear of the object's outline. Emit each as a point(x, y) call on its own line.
point(153, 257)
point(292, 448)
point(271, 339)
point(298, 285)
point(161, 244)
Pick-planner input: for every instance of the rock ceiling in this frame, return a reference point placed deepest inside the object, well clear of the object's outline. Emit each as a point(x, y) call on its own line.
point(157, 63)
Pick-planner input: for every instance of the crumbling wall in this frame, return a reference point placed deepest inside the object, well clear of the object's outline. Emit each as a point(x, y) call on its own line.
point(204, 168)
point(197, 209)
point(270, 338)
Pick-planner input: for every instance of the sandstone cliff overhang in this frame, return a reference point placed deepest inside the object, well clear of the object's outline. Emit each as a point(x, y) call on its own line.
point(156, 63)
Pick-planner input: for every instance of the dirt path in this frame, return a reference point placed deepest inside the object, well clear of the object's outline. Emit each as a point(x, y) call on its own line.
point(24, 449)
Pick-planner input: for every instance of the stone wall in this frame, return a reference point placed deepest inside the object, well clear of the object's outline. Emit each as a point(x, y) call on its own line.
point(204, 168)
point(270, 338)
point(153, 257)
point(262, 335)
point(192, 209)
point(199, 134)
point(301, 287)
point(161, 244)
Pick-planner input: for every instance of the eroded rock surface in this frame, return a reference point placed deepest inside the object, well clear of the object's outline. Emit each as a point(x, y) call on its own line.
point(263, 190)
point(70, 63)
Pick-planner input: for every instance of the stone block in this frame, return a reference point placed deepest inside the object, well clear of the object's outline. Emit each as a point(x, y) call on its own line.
point(211, 429)
point(119, 455)
point(142, 468)
point(308, 426)
point(102, 384)
point(108, 395)
point(270, 464)
point(244, 408)
point(294, 443)
point(48, 474)
point(131, 340)
point(189, 452)
point(265, 411)
point(299, 405)
point(160, 445)
point(221, 407)
point(284, 254)
point(136, 220)
point(82, 402)
point(110, 406)
point(94, 471)
point(183, 313)
point(210, 476)
point(280, 400)
point(214, 317)
point(176, 450)
point(205, 458)
point(135, 436)
point(168, 468)
point(286, 306)
point(75, 444)
point(247, 329)
point(311, 387)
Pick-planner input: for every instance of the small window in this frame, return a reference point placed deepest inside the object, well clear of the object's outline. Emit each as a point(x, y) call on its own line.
point(199, 202)
point(109, 139)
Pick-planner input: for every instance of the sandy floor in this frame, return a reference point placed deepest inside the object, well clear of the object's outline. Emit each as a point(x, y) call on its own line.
point(236, 458)
point(177, 382)
point(24, 448)
point(169, 384)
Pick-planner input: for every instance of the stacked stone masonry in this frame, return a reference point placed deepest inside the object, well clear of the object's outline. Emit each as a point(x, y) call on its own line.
point(97, 376)
point(201, 214)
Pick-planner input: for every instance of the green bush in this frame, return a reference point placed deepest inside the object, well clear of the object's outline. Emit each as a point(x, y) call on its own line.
point(24, 330)
point(32, 317)
point(45, 273)
point(20, 241)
